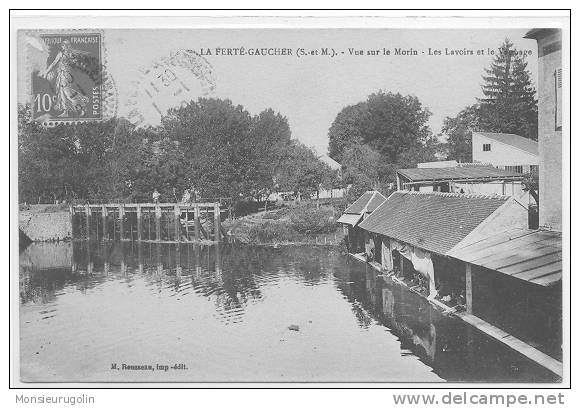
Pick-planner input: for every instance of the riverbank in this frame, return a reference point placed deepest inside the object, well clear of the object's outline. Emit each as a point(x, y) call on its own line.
point(44, 222)
point(297, 225)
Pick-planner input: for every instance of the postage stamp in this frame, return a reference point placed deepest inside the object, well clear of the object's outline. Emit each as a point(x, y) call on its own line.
point(69, 87)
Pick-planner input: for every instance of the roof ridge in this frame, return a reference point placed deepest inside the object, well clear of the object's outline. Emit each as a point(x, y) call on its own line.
point(460, 195)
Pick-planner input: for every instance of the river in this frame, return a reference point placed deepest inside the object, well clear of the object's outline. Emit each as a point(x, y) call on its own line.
point(169, 312)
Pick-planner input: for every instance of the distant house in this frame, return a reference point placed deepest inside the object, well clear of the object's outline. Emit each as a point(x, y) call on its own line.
point(334, 165)
point(330, 162)
point(462, 179)
point(355, 213)
point(505, 150)
point(550, 124)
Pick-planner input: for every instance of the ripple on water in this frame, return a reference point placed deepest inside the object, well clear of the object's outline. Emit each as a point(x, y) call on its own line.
point(227, 316)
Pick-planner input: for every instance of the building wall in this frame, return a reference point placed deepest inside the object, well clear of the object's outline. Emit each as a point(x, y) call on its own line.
point(510, 215)
point(549, 138)
point(508, 187)
point(500, 154)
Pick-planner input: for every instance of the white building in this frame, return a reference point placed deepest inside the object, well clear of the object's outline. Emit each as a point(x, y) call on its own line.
point(506, 151)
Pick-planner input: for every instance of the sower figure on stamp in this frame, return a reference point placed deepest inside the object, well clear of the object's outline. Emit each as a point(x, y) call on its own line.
point(156, 196)
point(68, 99)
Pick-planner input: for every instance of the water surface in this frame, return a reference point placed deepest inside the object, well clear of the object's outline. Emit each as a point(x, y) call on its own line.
point(222, 313)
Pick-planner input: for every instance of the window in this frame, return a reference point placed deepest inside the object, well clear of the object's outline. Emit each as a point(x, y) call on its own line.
point(515, 169)
point(487, 147)
point(558, 98)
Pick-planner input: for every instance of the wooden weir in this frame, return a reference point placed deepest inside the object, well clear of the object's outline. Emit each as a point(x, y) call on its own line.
point(148, 222)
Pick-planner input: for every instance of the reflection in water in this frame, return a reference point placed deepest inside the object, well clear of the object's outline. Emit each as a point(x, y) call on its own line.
point(224, 312)
point(455, 351)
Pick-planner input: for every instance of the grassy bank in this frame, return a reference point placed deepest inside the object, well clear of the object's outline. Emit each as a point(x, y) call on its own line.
point(301, 224)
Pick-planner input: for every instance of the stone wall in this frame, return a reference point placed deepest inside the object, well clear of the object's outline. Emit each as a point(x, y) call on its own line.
point(45, 226)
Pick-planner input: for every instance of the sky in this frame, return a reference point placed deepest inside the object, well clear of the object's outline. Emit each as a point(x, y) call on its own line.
point(309, 90)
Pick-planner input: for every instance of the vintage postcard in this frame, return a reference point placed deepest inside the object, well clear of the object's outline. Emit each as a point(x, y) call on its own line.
point(381, 202)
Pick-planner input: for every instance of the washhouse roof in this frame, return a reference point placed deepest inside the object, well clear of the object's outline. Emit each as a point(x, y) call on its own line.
point(534, 256)
point(484, 173)
point(366, 203)
point(436, 222)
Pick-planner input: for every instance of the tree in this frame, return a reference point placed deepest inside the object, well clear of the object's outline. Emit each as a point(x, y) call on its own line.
point(364, 169)
point(532, 183)
point(301, 171)
point(509, 104)
point(458, 132)
point(346, 130)
point(387, 122)
point(229, 152)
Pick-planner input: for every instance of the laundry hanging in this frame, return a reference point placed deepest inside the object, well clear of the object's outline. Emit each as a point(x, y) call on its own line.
point(421, 261)
point(387, 256)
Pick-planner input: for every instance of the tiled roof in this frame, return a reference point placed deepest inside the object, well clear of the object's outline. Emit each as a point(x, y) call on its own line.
point(369, 201)
point(522, 143)
point(534, 256)
point(433, 221)
point(349, 219)
point(458, 173)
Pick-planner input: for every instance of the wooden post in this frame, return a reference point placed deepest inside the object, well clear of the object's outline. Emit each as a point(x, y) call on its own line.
point(149, 221)
point(187, 223)
point(121, 223)
point(139, 222)
point(197, 255)
point(216, 222)
point(401, 263)
point(178, 268)
point(218, 260)
point(88, 221)
point(157, 222)
point(196, 222)
point(90, 264)
point(107, 265)
point(158, 257)
point(177, 212)
point(140, 257)
point(72, 217)
point(468, 289)
point(104, 217)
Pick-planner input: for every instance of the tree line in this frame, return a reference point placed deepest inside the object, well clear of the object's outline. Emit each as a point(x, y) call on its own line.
point(219, 149)
point(209, 146)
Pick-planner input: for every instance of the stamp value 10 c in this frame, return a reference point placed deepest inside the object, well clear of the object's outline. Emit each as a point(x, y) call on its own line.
point(69, 88)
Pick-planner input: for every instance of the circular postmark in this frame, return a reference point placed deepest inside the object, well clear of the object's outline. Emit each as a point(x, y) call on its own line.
point(170, 82)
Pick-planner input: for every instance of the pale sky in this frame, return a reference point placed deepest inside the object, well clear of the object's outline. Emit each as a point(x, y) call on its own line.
point(310, 91)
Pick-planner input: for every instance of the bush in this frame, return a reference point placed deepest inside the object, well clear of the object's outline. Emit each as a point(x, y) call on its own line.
point(270, 232)
point(276, 214)
point(312, 220)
